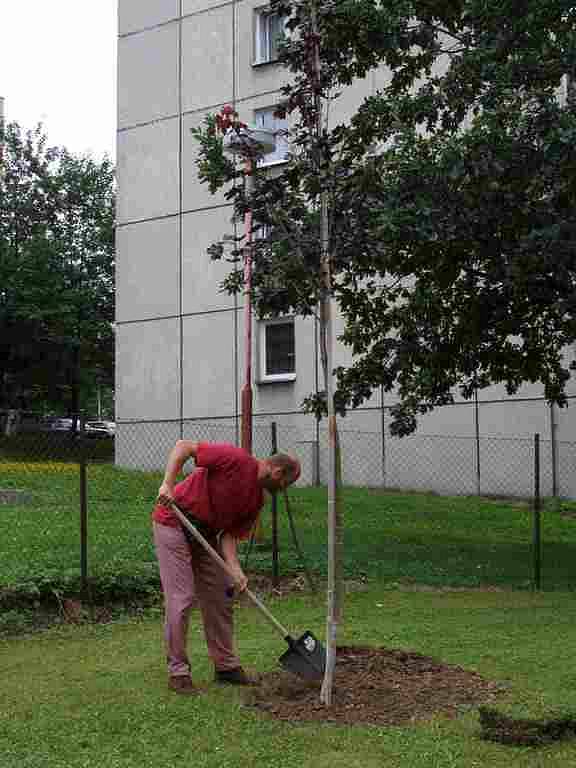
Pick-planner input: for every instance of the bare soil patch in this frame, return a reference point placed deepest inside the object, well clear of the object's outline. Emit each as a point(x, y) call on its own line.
point(375, 686)
point(521, 732)
point(372, 686)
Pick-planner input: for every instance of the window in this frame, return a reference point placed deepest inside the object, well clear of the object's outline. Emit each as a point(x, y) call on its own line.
point(266, 118)
point(268, 31)
point(277, 350)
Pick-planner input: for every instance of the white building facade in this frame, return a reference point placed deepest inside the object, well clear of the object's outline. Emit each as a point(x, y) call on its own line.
point(180, 340)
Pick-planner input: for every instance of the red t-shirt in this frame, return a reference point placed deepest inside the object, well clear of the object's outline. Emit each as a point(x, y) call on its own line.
point(223, 491)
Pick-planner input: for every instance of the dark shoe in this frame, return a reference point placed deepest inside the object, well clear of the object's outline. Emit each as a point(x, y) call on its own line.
point(235, 676)
point(182, 685)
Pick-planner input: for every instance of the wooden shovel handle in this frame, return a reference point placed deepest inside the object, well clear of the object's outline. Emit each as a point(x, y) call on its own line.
point(216, 556)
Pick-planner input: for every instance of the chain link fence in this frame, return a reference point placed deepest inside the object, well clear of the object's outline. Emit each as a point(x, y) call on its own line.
point(65, 497)
point(450, 464)
point(456, 464)
point(41, 504)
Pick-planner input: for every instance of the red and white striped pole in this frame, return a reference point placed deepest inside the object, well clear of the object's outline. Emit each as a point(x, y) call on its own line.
point(247, 397)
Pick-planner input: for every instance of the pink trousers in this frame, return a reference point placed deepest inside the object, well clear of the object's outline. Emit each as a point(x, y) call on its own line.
point(188, 574)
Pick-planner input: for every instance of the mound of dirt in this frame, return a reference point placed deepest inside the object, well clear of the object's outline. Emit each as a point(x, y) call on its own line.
point(375, 686)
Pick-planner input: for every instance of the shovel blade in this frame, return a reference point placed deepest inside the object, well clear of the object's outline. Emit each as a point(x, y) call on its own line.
point(306, 657)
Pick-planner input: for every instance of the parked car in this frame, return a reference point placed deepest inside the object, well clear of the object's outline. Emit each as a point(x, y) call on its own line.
point(57, 424)
point(100, 428)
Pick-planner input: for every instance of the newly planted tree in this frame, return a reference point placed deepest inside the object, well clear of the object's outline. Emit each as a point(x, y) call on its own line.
point(281, 232)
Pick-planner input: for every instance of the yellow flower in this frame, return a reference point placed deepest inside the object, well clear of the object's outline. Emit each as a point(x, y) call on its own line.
point(47, 466)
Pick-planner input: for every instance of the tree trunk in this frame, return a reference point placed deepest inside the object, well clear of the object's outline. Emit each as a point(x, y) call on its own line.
point(334, 586)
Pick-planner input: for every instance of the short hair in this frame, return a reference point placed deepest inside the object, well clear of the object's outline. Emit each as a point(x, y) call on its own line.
point(289, 465)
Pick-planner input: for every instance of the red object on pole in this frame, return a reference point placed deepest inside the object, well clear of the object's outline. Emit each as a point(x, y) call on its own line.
point(246, 423)
point(247, 143)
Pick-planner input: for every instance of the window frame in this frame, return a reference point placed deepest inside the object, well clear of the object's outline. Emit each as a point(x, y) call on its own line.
point(271, 378)
point(281, 144)
point(262, 49)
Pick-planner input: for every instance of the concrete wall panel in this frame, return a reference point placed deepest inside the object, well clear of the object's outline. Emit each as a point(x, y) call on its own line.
point(134, 15)
point(202, 276)
point(148, 171)
point(196, 6)
point(147, 270)
point(147, 370)
point(343, 354)
point(515, 419)
point(148, 82)
point(207, 60)
point(209, 376)
point(565, 419)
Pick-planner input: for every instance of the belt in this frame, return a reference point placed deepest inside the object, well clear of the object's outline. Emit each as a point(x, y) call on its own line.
point(202, 527)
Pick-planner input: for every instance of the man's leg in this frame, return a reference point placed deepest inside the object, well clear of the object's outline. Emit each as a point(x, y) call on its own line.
point(177, 579)
point(213, 589)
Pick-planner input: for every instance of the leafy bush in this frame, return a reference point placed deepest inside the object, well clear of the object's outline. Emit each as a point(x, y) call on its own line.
point(16, 622)
point(106, 587)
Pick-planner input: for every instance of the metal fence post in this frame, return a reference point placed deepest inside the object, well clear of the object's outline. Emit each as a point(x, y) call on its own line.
point(316, 456)
point(83, 525)
point(275, 551)
point(477, 433)
point(383, 431)
point(554, 455)
point(536, 530)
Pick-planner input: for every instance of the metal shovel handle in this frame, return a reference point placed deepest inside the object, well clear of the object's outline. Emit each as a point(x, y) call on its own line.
point(216, 556)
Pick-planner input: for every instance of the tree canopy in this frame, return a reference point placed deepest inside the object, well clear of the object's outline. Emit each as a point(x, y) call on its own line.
point(452, 195)
point(56, 272)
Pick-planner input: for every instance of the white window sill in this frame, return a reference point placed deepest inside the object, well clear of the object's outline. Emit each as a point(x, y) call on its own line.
point(278, 378)
point(271, 163)
point(264, 62)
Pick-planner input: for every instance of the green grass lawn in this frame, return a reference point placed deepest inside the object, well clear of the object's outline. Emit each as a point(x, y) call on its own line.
point(41, 540)
point(93, 696)
point(391, 537)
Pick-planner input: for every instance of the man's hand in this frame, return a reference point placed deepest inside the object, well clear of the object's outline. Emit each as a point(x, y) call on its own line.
point(230, 554)
point(240, 579)
point(182, 451)
point(165, 495)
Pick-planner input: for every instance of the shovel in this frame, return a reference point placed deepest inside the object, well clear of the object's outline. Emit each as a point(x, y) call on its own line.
point(305, 656)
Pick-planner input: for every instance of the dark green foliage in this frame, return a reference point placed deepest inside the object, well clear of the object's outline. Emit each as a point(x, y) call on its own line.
point(56, 273)
point(49, 589)
point(214, 168)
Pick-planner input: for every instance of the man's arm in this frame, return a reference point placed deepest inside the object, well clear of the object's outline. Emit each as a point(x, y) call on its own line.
point(229, 552)
point(179, 455)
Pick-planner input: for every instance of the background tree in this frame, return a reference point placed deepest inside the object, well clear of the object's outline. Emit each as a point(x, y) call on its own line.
point(472, 209)
point(56, 272)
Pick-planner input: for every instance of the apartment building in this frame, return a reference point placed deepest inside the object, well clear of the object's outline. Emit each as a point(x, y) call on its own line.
point(180, 340)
